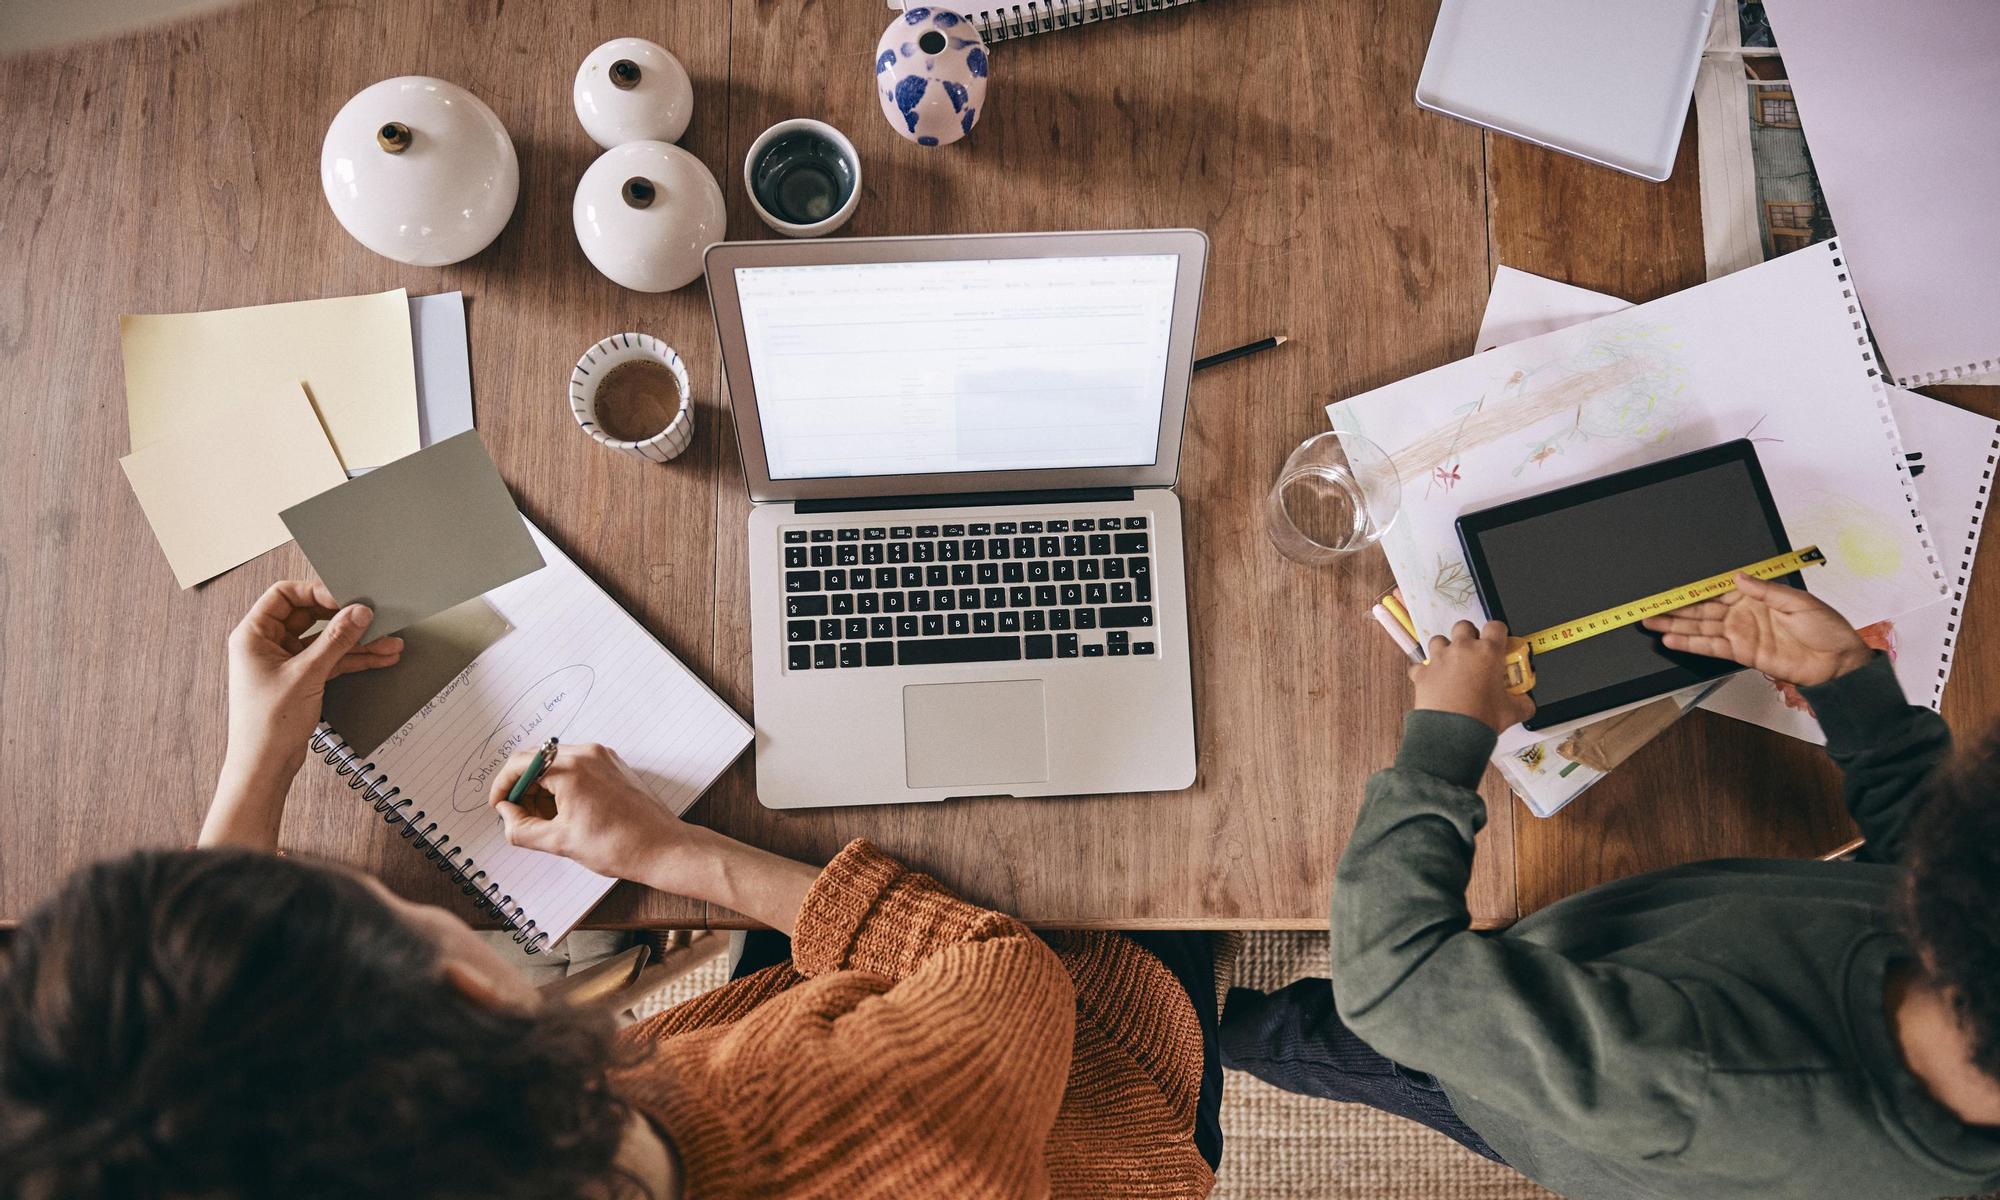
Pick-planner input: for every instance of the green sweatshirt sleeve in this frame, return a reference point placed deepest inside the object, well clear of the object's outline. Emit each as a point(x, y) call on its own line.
point(1885, 747)
point(1608, 1054)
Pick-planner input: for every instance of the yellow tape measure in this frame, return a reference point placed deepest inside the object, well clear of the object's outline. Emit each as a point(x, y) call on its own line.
point(1521, 671)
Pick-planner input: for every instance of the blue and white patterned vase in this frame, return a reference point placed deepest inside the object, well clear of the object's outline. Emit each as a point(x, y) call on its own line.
point(930, 69)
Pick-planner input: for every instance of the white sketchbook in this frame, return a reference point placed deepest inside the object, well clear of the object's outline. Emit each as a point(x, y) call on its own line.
point(1776, 353)
point(577, 667)
point(1900, 104)
point(1952, 455)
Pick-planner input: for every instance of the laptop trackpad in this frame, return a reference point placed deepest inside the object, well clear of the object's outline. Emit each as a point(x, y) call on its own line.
point(975, 733)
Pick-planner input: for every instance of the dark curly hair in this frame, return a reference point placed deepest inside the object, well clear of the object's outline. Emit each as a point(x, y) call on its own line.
point(1951, 902)
point(221, 1023)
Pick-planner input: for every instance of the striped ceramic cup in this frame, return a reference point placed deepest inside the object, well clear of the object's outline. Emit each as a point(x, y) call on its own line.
point(597, 364)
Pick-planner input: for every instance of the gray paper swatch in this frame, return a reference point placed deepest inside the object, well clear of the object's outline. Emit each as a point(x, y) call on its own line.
point(366, 707)
point(417, 536)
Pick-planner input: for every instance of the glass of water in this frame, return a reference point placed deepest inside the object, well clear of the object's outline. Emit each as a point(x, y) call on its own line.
point(1338, 493)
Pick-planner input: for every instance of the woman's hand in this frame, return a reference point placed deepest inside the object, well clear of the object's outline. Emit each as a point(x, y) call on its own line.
point(277, 678)
point(590, 807)
point(1785, 632)
point(1467, 673)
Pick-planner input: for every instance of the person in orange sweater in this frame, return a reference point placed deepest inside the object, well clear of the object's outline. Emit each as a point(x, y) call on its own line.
point(228, 1022)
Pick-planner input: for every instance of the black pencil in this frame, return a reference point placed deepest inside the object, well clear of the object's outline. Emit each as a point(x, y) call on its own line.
point(1217, 359)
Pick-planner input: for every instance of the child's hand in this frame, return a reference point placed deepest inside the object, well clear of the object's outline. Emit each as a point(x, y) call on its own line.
point(1786, 633)
point(1467, 674)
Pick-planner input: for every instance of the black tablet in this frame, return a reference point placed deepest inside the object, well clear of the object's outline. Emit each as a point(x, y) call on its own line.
point(1581, 549)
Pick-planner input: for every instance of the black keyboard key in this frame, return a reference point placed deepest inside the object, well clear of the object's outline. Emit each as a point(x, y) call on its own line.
point(1019, 597)
point(947, 551)
point(825, 657)
point(1138, 566)
point(822, 535)
point(885, 578)
point(906, 626)
point(1058, 619)
point(1050, 547)
point(989, 572)
point(1138, 616)
point(982, 622)
point(848, 535)
point(843, 605)
point(1038, 572)
point(1100, 543)
point(1031, 527)
point(997, 547)
point(1087, 569)
point(978, 530)
point(933, 625)
point(799, 631)
point(822, 556)
point(874, 533)
point(974, 550)
point(1074, 544)
point(943, 600)
point(899, 552)
point(1118, 637)
point(1066, 645)
point(994, 597)
point(968, 598)
point(1010, 622)
point(892, 602)
point(857, 627)
point(1083, 524)
point(899, 531)
point(953, 531)
point(836, 580)
point(1033, 621)
point(795, 537)
point(850, 653)
point(883, 627)
point(805, 606)
point(881, 654)
point(1071, 593)
point(1045, 595)
point(923, 552)
point(1142, 589)
point(956, 623)
point(961, 574)
point(1004, 527)
point(927, 531)
point(1114, 568)
point(795, 557)
point(829, 629)
point(1109, 523)
point(847, 556)
point(1135, 522)
point(801, 657)
point(1041, 645)
point(1121, 592)
point(1063, 570)
point(802, 581)
point(1012, 572)
point(1132, 543)
point(1024, 547)
point(1119, 649)
point(959, 650)
point(1142, 647)
point(1093, 651)
point(1058, 526)
point(1086, 618)
point(920, 601)
point(871, 553)
point(1094, 593)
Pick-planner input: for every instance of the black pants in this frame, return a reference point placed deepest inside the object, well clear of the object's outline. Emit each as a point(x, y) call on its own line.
point(1293, 1039)
point(1190, 956)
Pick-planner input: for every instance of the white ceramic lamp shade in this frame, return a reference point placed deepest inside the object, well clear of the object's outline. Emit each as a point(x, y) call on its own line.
point(632, 90)
point(644, 213)
point(419, 170)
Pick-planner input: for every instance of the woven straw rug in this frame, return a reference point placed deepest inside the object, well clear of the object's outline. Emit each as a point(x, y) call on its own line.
point(1277, 1146)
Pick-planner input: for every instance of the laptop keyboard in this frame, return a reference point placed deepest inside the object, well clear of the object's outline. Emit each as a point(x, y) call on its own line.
point(909, 595)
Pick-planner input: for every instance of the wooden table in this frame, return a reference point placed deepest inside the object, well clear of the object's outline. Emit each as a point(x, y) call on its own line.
point(176, 170)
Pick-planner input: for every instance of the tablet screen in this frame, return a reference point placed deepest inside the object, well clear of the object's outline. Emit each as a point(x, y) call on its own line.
point(1566, 554)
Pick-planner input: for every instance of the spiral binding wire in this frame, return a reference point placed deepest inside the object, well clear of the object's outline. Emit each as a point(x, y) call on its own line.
point(999, 22)
point(394, 807)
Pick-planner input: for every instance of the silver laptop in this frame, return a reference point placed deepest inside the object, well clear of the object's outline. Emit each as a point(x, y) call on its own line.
point(965, 553)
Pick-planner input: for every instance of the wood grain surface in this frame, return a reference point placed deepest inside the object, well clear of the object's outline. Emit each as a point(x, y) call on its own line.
point(177, 170)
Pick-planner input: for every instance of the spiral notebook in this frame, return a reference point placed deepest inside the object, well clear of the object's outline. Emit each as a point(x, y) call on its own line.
point(1000, 21)
point(577, 667)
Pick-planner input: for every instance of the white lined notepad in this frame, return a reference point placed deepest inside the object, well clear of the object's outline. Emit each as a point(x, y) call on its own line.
point(576, 667)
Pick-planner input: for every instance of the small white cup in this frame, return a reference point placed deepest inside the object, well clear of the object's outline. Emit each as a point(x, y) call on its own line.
point(825, 134)
point(597, 362)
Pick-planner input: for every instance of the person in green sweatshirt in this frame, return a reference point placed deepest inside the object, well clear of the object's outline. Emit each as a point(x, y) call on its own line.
point(1738, 1028)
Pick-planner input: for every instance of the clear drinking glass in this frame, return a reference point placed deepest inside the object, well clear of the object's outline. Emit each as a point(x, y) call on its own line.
point(1338, 493)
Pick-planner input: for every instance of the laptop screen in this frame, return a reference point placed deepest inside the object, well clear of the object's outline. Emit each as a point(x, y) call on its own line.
point(911, 368)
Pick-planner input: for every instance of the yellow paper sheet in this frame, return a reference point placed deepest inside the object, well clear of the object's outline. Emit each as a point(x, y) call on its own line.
point(352, 354)
point(213, 488)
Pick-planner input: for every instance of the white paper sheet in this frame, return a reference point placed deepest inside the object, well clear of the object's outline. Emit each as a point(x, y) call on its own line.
point(444, 366)
point(1900, 104)
point(1952, 453)
point(1772, 353)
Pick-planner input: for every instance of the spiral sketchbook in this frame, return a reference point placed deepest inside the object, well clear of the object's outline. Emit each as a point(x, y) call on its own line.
point(1000, 21)
point(577, 667)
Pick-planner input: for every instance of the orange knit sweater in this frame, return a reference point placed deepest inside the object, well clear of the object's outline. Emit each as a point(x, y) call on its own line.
point(921, 1046)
